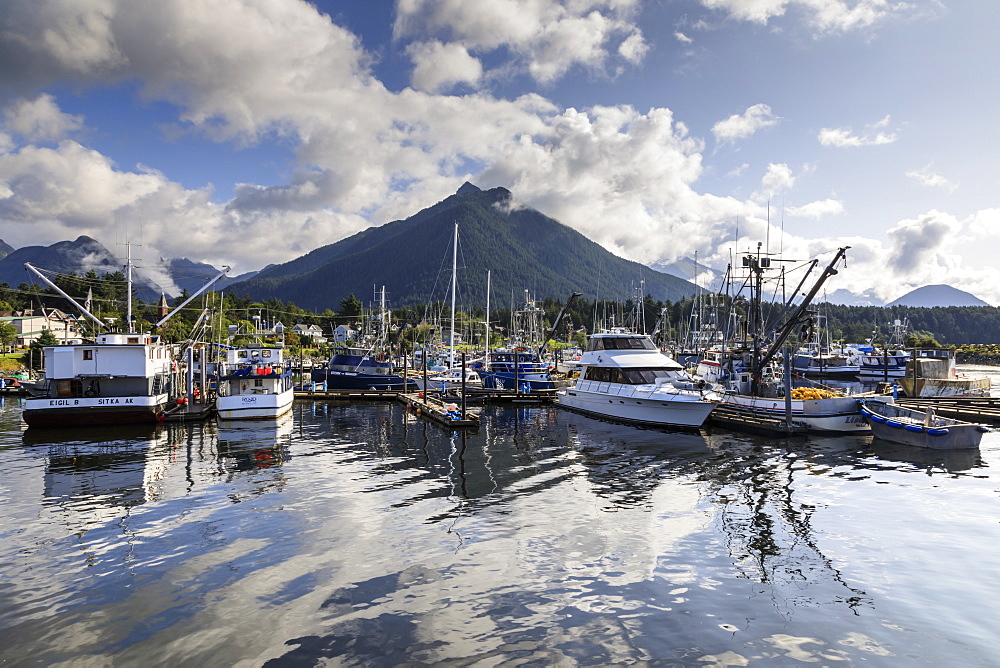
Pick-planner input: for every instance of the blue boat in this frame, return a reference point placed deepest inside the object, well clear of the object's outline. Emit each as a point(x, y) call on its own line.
point(515, 371)
point(361, 369)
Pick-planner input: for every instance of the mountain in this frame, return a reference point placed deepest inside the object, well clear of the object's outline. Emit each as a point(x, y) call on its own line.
point(5, 249)
point(190, 276)
point(71, 257)
point(848, 298)
point(688, 269)
point(938, 295)
point(522, 248)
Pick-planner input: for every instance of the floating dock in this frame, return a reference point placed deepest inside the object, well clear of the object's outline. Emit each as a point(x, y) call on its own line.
point(984, 410)
point(447, 414)
point(753, 423)
point(189, 412)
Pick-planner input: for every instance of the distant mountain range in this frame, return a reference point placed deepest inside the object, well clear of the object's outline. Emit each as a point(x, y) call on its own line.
point(84, 254)
point(520, 247)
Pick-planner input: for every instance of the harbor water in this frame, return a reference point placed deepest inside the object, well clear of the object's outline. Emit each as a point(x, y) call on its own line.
point(361, 535)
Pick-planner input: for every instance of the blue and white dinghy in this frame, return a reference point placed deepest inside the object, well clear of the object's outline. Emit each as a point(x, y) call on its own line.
point(922, 429)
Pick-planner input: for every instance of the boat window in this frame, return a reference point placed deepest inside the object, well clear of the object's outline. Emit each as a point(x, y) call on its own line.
point(600, 374)
point(88, 354)
point(266, 353)
point(242, 354)
point(133, 339)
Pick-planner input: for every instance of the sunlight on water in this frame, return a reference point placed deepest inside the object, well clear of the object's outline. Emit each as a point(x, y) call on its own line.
point(359, 534)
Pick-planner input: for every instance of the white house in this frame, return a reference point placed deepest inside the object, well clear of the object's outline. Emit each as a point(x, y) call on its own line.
point(343, 333)
point(30, 325)
point(314, 332)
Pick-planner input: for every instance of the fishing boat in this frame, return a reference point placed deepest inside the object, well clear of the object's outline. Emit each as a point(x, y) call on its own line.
point(519, 368)
point(116, 378)
point(753, 382)
point(254, 384)
point(922, 429)
point(890, 361)
point(119, 378)
point(625, 377)
point(820, 359)
point(365, 368)
point(933, 372)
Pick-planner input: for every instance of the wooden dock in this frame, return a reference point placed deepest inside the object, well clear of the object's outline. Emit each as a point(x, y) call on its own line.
point(433, 409)
point(348, 395)
point(753, 423)
point(985, 410)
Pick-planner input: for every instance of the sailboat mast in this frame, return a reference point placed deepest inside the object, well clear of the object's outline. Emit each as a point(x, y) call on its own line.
point(487, 313)
point(454, 273)
point(128, 280)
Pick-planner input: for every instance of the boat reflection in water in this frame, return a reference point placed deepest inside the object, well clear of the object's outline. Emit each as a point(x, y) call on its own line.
point(360, 534)
point(246, 445)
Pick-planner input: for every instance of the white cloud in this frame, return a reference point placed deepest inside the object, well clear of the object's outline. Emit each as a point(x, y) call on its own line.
point(818, 209)
point(40, 119)
point(926, 177)
point(822, 15)
point(843, 137)
point(544, 38)
point(741, 126)
point(682, 38)
point(778, 177)
point(438, 67)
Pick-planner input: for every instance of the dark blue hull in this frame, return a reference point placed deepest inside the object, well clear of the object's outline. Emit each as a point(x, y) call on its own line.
point(362, 381)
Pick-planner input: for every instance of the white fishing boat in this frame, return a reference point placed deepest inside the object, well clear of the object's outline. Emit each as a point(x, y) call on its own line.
point(922, 429)
point(117, 378)
point(254, 384)
point(624, 377)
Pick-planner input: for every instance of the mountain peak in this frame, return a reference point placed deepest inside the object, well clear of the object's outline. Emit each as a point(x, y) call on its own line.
point(938, 295)
point(468, 188)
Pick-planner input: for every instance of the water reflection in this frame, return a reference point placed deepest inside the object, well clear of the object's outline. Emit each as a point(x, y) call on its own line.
point(359, 534)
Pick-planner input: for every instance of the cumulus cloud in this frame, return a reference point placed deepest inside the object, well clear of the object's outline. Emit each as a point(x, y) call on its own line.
point(438, 67)
point(741, 126)
point(818, 209)
point(778, 177)
point(821, 15)
point(921, 243)
point(40, 120)
point(926, 177)
point(543, 38)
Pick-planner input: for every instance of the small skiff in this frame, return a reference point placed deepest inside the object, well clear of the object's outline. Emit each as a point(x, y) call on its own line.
point(922, 429)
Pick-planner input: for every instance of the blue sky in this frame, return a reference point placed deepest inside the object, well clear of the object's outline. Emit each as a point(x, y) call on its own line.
point(245, 132)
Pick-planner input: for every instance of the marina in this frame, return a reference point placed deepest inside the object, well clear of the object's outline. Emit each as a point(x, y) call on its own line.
point(360, 533)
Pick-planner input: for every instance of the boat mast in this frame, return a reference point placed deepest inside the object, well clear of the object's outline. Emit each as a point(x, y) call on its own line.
point(487, 354)
point(454, 272)
point(128, 281)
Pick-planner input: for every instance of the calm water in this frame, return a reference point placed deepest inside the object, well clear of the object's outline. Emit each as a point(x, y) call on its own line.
point(359, 535)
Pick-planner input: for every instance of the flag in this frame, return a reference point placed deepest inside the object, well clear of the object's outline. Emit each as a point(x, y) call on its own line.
point(90, 298)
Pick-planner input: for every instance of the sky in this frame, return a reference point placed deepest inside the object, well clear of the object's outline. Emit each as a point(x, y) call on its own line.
point(250, 132)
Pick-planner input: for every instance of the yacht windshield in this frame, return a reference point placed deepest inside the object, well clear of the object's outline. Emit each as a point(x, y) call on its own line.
point(620, 343)
point(631, 376)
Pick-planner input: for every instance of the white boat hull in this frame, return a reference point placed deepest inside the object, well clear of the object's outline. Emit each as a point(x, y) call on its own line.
point(255, 406)
point(627, 403)
point(837, 414)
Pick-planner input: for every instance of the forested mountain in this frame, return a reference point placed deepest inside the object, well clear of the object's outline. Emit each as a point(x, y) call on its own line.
point(522, 248)
point(950, 325)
